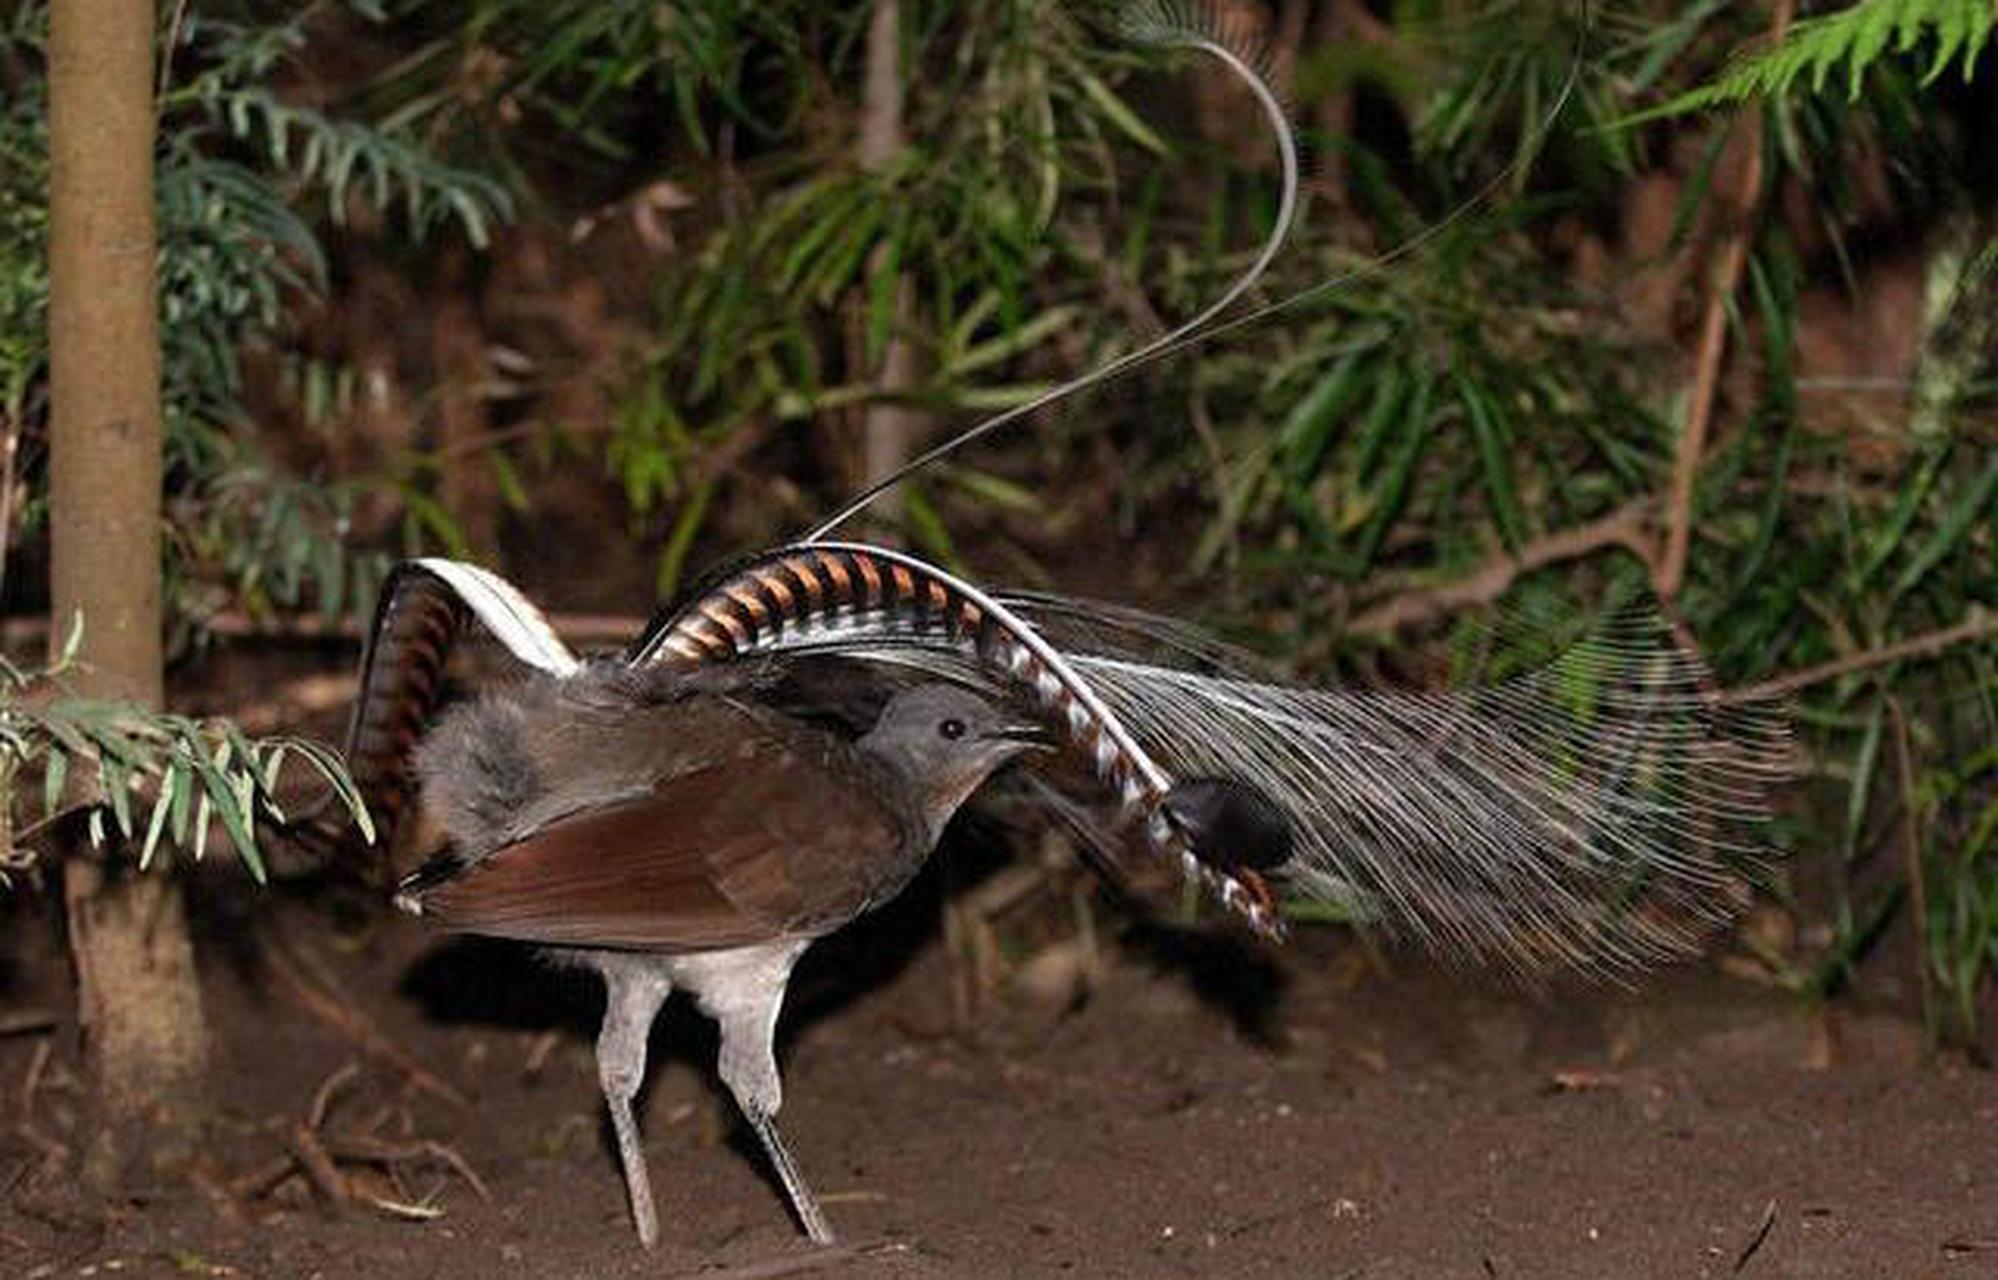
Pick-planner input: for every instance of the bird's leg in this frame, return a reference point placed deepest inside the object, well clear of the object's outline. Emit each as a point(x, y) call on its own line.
point(803, 1202)
point(746, 1005)
point(632, 996)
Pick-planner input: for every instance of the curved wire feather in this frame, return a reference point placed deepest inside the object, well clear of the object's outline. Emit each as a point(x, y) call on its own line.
point(1164, 26)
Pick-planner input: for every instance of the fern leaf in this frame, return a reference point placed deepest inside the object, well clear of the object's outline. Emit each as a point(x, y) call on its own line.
point(1853, 41)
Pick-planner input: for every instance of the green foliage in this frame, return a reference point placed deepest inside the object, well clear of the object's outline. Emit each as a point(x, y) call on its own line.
point(236, 167)
point(1455, 398)
point(255, 538)
point(497, 75)
point(782, 313)
point(152, 778)
point(1850, 43)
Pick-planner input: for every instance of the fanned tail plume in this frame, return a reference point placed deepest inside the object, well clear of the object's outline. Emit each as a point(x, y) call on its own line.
point(1599, 812)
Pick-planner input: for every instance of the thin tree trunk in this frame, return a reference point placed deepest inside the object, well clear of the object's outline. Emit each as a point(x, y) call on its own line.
point(1338, 24)
point(889, 429)
point(138, 1003)
point(458, 355)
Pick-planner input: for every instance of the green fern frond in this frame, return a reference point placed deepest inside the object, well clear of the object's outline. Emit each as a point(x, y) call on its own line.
point(1851, 41)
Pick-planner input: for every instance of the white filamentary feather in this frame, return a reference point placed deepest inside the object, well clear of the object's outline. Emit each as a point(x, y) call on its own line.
point(1597, 812)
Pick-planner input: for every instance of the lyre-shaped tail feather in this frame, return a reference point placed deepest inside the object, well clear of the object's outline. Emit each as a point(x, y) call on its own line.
point(423, 608)
point(878, 604)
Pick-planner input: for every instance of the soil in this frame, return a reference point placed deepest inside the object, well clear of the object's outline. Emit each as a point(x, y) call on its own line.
point(1209, 1109)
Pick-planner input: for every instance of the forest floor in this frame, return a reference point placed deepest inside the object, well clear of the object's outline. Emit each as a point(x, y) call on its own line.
point(1211, 1108)
point(1206, 1111)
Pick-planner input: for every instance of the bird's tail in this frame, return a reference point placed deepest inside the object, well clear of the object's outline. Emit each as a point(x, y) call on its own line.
point(1600, 810)
point(424, 608)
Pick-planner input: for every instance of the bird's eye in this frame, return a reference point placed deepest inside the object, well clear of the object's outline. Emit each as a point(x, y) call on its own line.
point(951, 730)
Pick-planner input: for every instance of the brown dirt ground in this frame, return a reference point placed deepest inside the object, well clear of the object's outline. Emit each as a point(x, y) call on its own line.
point(1207, 1111)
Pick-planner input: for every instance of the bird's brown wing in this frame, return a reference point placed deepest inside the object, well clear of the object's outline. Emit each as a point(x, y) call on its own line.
point(770, 842)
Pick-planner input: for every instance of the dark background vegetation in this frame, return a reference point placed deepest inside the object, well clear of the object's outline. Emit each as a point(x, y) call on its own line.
point(602, 293)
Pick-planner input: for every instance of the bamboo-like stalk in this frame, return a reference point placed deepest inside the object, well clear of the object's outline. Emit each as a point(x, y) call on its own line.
point(1670, 572)
point(138, 1001)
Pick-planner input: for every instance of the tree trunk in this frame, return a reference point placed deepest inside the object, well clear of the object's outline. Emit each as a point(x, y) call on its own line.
point(137, 1000)
point(458, 359)
point(890, 429)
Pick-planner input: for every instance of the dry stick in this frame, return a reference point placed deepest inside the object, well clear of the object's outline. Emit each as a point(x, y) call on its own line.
point(544, 1044)
point(1623, 527)
point(1756, 1241)
point(26, 1022)
point(1911, 853)
point(372, 1150)
point(262, 1179)
point(322, 1099)
point(31, 1080)
point(1670, 570)
point(1975, 627)
point(318, 1166)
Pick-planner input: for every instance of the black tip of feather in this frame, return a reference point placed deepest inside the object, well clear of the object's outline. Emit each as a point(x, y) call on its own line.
point(1230, 824)
point(434, 871)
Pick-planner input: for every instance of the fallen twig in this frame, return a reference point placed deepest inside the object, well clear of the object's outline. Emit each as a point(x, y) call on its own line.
point(362, 1148)
point(404, 1209)
point(312, 1158)
point(263, 1179)
point(545, 1044)
point(27, 1021)
point(1761, 1235)
point(31, 1080)
point(322, 1099)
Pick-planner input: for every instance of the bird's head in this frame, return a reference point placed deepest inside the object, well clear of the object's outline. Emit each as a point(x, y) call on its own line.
point(947, 741)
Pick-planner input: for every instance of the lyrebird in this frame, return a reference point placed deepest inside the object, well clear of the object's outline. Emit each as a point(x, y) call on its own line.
point(664, 817)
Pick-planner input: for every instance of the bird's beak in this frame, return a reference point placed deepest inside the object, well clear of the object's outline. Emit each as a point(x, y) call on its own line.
point(1032, 737)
